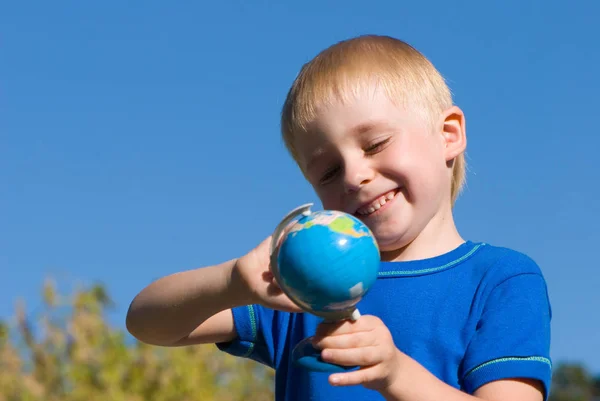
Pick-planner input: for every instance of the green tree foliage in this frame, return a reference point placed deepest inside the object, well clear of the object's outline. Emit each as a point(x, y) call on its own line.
point(68, 352)
point(572, 382)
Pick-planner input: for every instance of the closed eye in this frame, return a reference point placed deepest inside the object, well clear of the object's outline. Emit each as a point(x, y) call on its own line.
point(377, 147)
point(329, 175)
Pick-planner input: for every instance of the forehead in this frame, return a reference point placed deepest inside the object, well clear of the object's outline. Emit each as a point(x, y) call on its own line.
point(352, 119)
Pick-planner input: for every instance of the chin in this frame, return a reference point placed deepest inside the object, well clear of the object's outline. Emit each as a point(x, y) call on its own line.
point(390, 243)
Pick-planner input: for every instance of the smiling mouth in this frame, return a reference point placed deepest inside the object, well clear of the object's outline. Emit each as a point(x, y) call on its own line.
point(377, 204)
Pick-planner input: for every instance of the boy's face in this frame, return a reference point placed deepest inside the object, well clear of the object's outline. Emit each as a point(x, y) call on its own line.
point(383, 164)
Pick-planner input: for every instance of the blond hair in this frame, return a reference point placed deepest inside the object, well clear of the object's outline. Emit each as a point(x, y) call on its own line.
point(348, 67)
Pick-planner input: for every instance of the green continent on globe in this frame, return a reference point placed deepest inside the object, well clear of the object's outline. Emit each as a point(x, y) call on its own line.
point(333, 221)
point(345, 225)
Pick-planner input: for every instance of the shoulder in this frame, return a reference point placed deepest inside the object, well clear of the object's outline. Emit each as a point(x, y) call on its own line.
point(502, 270)
point(500, 263)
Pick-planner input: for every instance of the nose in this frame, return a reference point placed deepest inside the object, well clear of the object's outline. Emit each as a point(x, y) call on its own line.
point(357, 174)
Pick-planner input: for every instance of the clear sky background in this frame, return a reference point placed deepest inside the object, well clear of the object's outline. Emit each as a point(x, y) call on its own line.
point(141, 139)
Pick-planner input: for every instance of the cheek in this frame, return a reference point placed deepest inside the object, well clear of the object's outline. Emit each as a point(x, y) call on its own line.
point(422, 169)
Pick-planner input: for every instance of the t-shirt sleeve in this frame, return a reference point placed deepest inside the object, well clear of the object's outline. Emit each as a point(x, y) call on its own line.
point(254, 339)
point(512, 339)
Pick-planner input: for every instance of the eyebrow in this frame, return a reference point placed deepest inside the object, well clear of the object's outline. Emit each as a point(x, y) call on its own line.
point(368, 126)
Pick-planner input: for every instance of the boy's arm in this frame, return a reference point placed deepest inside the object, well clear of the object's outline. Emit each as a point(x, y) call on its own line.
point(194, 306)
point(189, 307)
point(515, 389)
point(219, 328)
point(507, 358)
point(417, 383)
point(367, 342)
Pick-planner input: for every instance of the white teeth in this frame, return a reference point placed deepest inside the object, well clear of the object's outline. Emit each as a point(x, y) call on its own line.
point(376, 204)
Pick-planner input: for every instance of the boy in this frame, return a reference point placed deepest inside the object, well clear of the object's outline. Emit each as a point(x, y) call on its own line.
point(372, 126)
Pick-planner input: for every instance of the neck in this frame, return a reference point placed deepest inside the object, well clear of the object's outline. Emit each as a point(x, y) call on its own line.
point(440, 236)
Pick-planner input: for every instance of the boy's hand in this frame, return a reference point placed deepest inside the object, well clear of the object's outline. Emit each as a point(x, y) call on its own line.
point(255, 275)
point(366, 342)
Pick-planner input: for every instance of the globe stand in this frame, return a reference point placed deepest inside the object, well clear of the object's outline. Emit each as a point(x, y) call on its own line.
point(304, 353)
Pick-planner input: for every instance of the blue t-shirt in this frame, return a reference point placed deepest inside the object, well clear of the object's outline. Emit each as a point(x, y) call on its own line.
point(471, 316)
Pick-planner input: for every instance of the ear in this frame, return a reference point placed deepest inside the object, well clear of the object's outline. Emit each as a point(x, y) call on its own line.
point(454, 133)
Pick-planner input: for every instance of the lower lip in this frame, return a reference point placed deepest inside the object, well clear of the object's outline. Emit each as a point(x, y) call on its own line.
point(380, 210)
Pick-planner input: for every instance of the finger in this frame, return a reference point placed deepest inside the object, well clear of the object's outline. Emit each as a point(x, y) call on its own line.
point(346, 326)
point(268, 277)
point(364, 375)
point(266, 242)
point(345, 341)
point(273, 287)
point(273, 290)
point(363, 356)
point(327, 329)
point(274, 282)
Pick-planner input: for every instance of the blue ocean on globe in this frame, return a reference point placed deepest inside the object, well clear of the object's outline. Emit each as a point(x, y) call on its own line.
point(328, 260)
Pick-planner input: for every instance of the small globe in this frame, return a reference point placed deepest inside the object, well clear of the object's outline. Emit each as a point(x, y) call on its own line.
point(327, 261)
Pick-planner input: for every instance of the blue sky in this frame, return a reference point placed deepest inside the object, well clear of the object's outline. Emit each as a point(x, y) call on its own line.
point(141, 139)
